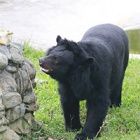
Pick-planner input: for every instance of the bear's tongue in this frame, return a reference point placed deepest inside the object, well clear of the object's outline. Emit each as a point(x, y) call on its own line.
point(44, 70)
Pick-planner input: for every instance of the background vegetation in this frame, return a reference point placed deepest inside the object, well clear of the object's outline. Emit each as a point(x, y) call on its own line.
point(121, 123)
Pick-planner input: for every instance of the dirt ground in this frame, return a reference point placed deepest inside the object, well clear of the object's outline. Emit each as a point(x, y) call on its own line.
point(40, 21)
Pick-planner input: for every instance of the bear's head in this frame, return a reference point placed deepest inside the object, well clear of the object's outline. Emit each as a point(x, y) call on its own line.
point(63, 58)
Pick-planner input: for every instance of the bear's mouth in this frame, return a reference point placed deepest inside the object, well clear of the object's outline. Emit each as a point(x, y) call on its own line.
point(46, 70)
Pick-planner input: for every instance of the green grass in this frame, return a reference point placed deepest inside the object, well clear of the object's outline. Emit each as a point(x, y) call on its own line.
point(121, 123)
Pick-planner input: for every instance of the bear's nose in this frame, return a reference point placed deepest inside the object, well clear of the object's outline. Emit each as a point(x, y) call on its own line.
point(41, 61)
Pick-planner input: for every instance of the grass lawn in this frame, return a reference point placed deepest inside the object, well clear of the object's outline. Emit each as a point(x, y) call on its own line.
point(120, 124)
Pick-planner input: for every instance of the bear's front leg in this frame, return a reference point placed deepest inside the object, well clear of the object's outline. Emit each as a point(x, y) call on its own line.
point(96, 113)
point(70, 106)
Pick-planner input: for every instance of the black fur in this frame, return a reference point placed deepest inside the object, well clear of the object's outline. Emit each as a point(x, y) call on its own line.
point(92, 70)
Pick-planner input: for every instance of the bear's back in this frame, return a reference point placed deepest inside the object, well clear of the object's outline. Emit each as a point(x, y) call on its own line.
point(106, 37)
point(103, 31)
point(107, 43)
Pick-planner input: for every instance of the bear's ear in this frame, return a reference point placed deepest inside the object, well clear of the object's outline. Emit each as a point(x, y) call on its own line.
point(89, 61)
point(58, 39)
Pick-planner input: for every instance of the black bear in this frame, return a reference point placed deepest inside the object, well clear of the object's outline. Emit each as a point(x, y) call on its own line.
point(91, 69)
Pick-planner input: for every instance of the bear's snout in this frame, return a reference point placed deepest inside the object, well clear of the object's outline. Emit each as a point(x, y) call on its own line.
point(45, 65)
point(41, 61)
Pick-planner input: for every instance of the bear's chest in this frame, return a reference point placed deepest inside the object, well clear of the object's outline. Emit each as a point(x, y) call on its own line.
point(82, 92)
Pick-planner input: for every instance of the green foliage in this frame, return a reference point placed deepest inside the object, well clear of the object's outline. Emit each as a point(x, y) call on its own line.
point(121, 123)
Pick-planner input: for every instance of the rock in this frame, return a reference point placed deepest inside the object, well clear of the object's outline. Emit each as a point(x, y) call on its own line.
point(32, 107)
point(4, 50)
point(9, 135)
point(22, 109)
point(7, 82)
point(16, 54)
point(1, 92)
point(2, 129)
point(35, 125)
point(29, 98)
point(3, 61)
point(18, 46)
point(24, 80)
point(20, 126)
point(2, 107)
point(15, 113)
point(1, 71)
point(11, 69)
point(25, 124)
point(33, 83)
point(2, 114)
point(11, 99)
point(17, 99)
point(50, 138)
point(19, 81)
point(3, 121)
point(28, 66)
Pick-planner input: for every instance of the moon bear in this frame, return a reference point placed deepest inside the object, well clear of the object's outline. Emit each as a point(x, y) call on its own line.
point(93, 70)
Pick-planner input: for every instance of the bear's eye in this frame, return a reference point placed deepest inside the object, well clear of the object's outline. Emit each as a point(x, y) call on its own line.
point(56, 60)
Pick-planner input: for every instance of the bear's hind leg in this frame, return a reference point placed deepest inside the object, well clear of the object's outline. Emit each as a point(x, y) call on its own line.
point(116, 94)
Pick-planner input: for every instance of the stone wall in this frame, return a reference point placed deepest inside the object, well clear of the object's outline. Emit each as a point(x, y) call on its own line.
point(17, 98)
